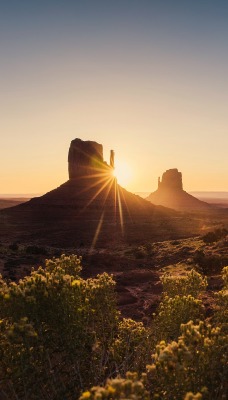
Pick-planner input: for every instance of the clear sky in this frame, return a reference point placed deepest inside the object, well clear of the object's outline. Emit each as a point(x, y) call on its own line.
point(146, 78)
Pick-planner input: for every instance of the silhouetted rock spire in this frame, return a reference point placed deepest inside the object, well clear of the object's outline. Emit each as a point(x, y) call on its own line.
point(112, 155)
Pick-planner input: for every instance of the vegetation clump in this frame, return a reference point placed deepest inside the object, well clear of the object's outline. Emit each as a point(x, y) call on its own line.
point(197, 361)
point(131, 388)
point(62, 337)
point(192, 283)
point(215, 236)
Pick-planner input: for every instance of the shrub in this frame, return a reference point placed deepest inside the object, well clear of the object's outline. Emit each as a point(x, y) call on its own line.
point(129, 388)
point(131, 347)
point(192, 396)
point(225, 277)
point(221, 314)
point(190, 284)
point(140, 252)
point(214, 236)
point(197, 362)
point(22, 361)
point(75, 321)
point(174, 311)
point(209, 263)
point(61, 334)
point(36, 250)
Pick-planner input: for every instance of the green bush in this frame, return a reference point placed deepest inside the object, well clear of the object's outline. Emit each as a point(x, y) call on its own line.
point(130, 388)
point(215, 236)
point(196, 362)
point(225, 277)
point(36, 250)
point(221, 314)
point(174, 311)
point(74, 319)
point(131, 347)
point(61, 334)
point(22, 360)
point(190, 284)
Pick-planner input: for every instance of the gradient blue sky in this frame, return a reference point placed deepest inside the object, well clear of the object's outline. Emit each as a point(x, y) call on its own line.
point(148, 79)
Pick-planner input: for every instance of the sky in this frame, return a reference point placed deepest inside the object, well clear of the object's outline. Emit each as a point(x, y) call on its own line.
point(145, 78)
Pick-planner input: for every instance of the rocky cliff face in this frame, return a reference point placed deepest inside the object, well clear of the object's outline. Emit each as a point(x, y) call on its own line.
point(83, 157)
point(170, 194)
point(171, 179)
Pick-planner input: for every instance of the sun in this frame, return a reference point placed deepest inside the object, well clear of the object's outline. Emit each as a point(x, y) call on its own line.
point(122, 173)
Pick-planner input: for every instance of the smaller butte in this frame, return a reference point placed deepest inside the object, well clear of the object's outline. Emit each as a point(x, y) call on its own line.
point(170, 193)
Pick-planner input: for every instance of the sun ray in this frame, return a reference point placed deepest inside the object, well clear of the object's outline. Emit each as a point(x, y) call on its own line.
point(120, 209)
point(100, 182)
point(103, 177)
point(115, 202)
point(97, 232)
point(107, 183)
point(126, 205)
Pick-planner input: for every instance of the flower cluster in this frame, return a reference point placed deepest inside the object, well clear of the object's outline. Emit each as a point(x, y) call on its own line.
point(197, 361)
point(173, 311)
point(192, 283)
point(130, 388)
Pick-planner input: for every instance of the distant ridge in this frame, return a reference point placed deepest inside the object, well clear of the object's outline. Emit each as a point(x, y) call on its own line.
point(11, 202)
point(212, 197)
point(18, 195)
point(170, 193)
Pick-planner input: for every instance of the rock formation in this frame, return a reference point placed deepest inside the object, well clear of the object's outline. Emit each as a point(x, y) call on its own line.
point(171, 179)
point(91, 208)
point(170, 194)
point(86, 157)
point(91, 181)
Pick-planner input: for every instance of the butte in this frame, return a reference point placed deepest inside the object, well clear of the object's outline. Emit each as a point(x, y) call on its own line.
point(170, 193)
point(91, 209)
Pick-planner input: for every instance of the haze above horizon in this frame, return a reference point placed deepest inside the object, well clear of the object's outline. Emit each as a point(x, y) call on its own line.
point(147, 79)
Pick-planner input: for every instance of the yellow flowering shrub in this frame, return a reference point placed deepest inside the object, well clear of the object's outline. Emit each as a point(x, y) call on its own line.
point(221, 314)
point(130, 388)
point(192, 283)
point(61, 337)
point(75, 321)
point(130, 349)
point(174, 311)
point(225, 277)
point(196, 362)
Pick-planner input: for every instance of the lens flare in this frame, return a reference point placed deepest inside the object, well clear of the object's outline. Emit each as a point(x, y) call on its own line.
point(122, 173)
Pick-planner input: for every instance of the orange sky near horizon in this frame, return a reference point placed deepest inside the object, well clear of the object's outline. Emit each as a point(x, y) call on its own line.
point(144, 79)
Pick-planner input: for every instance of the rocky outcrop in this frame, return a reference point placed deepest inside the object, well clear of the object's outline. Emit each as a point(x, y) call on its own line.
point(171, 179)
point(86, 157)
point(170, 194)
